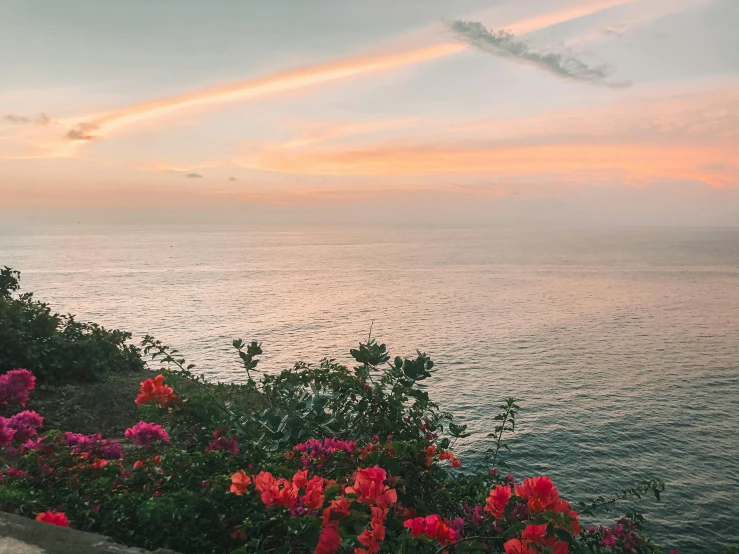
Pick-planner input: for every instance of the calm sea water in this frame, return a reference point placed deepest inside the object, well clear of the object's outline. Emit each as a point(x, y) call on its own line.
point(621, 345)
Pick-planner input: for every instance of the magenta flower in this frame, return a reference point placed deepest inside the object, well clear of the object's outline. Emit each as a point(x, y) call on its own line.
point(15, 385)
point(6, 433)
point(23, 426)
point(111, 450)
point(142, 434)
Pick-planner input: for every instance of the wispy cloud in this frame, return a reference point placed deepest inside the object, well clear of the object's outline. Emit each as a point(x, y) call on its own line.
point(41, 119)
point(194, 176)
point(503, 43)
point(89, 127)
point(689, 136)
point(564, 14)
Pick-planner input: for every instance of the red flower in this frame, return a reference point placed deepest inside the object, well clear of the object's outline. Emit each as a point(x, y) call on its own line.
point(540, 493)
point(55, 518)
point(456, 462)
point(239, 481)
point(535, 533)
point(417, 525)
point(329, 540)
point(154, 390)
point(275, 492)
point(99, 464)
point(446, 455)
point(370, 488)
point(315, 491)
point(561, 547)
point(498, 500)
point(430, 453)
point(300, 479)
point(517, 546)
point(138, 464)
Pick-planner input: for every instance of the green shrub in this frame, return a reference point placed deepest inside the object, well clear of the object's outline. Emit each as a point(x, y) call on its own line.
point(57, 348)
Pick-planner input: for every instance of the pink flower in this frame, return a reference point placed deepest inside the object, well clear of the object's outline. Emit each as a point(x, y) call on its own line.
point(15, 385)
point(111, 450)
point(23, 426)
point(142, 434)
point(6, 433)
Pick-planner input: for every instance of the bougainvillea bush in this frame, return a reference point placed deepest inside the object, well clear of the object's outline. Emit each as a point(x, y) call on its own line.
point(318, 458)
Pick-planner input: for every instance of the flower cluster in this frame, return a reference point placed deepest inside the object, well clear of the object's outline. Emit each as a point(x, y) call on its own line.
point(432, 453)
point(433, 526)
point(321, 451)
point(93, 445)
point(284, 492)
point(154, 390)
point(55, 518)
point(15, 386)
point(623, 535)
point(142, 434)
point(20, 427)
point(222, 442)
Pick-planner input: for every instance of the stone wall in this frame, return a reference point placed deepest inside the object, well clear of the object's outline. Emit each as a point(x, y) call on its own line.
point(20, 535)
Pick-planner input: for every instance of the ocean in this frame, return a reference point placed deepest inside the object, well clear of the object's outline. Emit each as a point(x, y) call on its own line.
point(621, 345)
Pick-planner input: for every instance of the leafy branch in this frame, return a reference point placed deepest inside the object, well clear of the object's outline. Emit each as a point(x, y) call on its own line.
point(507, 419)
point(646, 487)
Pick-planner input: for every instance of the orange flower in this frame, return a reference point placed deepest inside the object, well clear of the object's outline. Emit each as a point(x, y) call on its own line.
point(540, 493)
point(154, 390)
point(498, 500)
point(456, 462)
point(430, 453)
point(446, 455)
point(239, 481)
point(275, 492)
point(99, 464)
point(518, 546)
point(137, 464)
point(300, 478)
point(370, 488)
point(315, 491)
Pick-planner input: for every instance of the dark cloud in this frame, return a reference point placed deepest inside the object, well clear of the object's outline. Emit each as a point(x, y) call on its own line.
point(23, 119)
point(232, 179)
point(83, 131)
point(194, 176)
point(505, 44)
point(17, 118)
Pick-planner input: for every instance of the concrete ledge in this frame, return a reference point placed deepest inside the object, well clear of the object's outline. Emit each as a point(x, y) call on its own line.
point(20, 535)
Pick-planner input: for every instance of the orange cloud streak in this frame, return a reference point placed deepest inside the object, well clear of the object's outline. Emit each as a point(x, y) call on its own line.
point(255, 88)
point(567, 14)
point(716, 167)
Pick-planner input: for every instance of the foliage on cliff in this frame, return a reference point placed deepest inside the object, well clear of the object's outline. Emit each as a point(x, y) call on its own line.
point(57, 348)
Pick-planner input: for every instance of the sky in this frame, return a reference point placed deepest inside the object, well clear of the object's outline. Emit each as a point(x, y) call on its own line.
point(464, 112)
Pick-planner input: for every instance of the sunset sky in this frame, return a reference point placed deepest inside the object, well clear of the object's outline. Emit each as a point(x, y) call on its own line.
point(465, 111)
